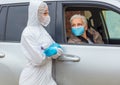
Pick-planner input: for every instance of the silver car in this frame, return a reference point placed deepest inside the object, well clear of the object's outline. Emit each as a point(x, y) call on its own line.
point(81, 64)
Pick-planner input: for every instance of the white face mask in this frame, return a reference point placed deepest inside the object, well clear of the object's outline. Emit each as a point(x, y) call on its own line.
point(45, 21)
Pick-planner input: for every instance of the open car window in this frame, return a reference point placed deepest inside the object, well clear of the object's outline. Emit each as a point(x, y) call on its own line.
point(102, 20)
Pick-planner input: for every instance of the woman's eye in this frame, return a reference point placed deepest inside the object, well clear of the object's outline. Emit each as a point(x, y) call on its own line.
point(45, 13)
point(79, 24)
point(73, 25)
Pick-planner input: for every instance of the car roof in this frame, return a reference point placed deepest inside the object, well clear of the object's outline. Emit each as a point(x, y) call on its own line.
point(113, 2)
point(12, 1)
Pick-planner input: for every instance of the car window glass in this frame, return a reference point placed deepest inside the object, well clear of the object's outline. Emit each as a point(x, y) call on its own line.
point(3, 11)
point(112, 20)
point(13, 19)
point(16, 22)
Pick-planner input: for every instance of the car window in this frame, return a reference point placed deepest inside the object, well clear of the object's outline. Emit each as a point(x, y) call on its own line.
point(112, 20)
point(69, 14)
point(16, 22)
point(13, 19)
point(3, 11)
point(92, 31)
point(103, 20)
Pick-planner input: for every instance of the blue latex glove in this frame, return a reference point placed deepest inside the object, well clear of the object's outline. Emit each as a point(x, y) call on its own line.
point(55, 45)
point(50, 51)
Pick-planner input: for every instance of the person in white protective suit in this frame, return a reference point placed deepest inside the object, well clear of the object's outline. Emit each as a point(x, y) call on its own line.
point(38, 46)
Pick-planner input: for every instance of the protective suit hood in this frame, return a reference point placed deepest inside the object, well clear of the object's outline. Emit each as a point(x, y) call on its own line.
point(33, 13)
point(34, 27)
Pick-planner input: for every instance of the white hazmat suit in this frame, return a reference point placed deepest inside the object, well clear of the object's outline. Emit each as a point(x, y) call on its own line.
point(34, 40)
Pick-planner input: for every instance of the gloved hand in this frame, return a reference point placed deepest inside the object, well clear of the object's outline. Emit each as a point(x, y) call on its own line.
point(54, 51)
point(50, 51)
point(59, 53)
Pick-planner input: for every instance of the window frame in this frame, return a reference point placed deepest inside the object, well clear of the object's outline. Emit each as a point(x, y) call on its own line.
point(111, 41)
point(61, 31)
point(7, 6)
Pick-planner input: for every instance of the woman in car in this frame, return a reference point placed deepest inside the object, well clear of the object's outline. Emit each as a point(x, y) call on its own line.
point(81, 33)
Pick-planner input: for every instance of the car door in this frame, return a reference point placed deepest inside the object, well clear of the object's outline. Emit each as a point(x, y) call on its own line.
point(12, 59)
point(85, 64)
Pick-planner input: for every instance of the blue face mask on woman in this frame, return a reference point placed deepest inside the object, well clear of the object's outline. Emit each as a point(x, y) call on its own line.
point(78, 31)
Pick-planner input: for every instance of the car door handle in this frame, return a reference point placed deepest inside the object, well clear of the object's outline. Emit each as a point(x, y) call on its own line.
point(2, 55)
point(69, 58)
